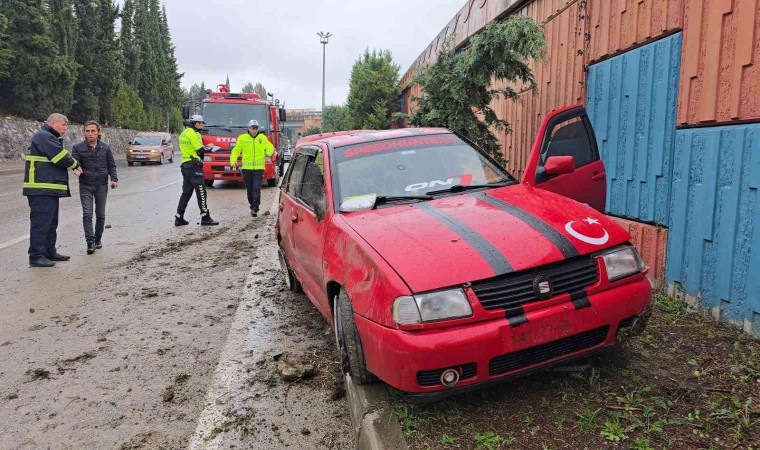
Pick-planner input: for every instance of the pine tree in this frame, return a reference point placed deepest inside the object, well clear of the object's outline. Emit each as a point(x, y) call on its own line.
point(110, 64)
point(5, 51)
point(248, 88)
point(41, 81)
point(261, 90)
point(373, 94)
point(87, 104)
point(64, 26)
point(128, 45)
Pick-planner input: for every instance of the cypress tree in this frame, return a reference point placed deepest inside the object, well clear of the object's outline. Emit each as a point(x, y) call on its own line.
point(128, 45)
point(110, 64)
point(5, 51)
point(64, 26)
point(87, 104)
point(41, 81)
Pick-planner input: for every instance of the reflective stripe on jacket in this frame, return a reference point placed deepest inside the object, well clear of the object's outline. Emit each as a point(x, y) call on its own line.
point(47, 165)
point(190, 142)
point(255, 150)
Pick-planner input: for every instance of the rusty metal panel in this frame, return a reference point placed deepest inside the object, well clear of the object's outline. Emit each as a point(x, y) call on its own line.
point(720, 75)
point(714, 242)
point(619, 25)
point(652, 244)
point(632, 102)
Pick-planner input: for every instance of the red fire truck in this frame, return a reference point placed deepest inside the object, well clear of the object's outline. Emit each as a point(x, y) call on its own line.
point(227, 115)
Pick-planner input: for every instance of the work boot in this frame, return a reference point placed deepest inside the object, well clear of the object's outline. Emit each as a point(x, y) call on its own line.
point(179, 221)
point(98, 244)
point(40, 261)
point(90, 248)
point(207, 220)
point(254, 214)
point(58, 257)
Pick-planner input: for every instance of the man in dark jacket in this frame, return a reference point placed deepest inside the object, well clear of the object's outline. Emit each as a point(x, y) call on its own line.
point(98, 165)
point(46, 180)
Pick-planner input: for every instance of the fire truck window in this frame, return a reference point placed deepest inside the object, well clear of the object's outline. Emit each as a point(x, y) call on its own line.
point(313, 187)
point(570, 138)
point(296, 175)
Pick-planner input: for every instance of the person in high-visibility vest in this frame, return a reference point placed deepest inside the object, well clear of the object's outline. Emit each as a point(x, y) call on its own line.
point(46, 180)
point(192, 149)
point(255, 148)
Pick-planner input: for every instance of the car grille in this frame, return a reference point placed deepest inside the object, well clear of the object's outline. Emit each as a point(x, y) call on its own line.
point(218, 158)
point(433, 377)
point(516, 289)
point(545, 352)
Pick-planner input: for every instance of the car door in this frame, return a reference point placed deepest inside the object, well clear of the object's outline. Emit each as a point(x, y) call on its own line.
point(288, 212)
point(565, 158)
point(310, 225)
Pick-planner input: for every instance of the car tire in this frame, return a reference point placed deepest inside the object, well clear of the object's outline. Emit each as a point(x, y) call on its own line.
point(161, 159)
point(130, 163)
point(208, 183)
point(349, 343)
point(142, 163)
point(171, 157)
point(291, 281)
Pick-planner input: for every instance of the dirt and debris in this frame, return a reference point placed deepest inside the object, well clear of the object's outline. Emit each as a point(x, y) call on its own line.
point(685, 383)
point(291, 369)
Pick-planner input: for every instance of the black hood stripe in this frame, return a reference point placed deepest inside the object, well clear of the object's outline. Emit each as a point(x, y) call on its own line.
point(555, 237)
point(491, 254)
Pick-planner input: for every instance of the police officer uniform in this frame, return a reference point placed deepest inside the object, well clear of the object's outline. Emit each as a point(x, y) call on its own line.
point(191, 147)
point(255, 148)
point(46, 180)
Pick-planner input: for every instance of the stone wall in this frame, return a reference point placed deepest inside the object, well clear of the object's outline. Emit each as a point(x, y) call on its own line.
point(15, 135)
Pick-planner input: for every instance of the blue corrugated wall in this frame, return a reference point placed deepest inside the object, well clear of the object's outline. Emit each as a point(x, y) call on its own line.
point(714, 242)
point(632, 100)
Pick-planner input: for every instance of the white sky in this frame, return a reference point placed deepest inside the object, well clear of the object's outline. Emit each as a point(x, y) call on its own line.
point(275, 42)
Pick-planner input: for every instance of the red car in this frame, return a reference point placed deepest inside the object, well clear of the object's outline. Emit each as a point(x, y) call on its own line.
point(439, 271)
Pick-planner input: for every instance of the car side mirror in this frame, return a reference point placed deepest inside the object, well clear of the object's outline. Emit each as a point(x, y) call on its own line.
point(559, 165)
point(283, 115)
point(164, 142)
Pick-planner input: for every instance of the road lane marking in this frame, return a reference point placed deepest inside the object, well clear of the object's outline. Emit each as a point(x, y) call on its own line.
point(165, 186)
point(14, 241)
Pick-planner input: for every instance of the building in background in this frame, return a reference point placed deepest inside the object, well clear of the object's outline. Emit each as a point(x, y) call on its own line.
point(300, 120)
point(673, 90)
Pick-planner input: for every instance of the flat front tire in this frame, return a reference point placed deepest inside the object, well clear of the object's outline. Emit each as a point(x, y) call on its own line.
point(349, 343)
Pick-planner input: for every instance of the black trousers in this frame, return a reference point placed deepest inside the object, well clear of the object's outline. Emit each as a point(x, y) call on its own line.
point(89, 193)
point(187, 191)
point(44, 225)
point(252, 180)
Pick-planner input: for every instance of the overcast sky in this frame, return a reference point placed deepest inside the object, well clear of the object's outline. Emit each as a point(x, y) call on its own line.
point(275, 42)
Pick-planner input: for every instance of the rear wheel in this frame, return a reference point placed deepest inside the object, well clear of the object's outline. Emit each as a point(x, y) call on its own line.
point(130, 163)
point(349, 344)
point(208, 183)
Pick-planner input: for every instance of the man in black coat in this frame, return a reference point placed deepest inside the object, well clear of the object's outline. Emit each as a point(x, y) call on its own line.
point(98, 164)
point(46, 180)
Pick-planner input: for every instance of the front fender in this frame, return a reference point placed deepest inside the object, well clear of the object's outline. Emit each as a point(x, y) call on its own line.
point(369, 280)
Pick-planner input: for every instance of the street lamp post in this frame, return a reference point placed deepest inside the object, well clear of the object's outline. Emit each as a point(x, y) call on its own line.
point(323, 39)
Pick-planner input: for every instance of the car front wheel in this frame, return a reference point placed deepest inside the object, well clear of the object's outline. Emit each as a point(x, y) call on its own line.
point(349, 344)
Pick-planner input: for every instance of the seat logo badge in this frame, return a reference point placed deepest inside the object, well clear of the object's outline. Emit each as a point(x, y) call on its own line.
point(593, 240)
point(543, 287)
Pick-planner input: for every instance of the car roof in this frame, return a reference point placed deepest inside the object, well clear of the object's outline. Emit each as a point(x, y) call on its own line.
point(343, 138)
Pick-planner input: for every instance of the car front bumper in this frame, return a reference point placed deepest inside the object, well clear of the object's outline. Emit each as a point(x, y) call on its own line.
point(144, 157)
point(491, 351)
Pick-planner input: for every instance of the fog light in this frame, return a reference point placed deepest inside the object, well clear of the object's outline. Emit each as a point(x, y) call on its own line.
point(450, 377)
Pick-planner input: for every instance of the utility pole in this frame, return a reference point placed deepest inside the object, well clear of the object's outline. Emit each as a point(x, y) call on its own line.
point(323, 39)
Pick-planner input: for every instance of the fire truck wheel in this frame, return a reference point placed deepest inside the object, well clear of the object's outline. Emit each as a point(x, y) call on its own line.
point(208, 183)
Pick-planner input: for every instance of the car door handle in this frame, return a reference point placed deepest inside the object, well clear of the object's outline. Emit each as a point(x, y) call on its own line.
point(598, 176)
point(294, 218)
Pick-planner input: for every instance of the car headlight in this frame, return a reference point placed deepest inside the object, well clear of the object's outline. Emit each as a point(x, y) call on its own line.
point(207, 158)
point(431, 307)
point(622, 262)
point(153, 151)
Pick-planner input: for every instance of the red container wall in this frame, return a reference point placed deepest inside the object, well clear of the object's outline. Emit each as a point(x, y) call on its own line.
point(618, 25)
point(720, 72)
point(652, 244)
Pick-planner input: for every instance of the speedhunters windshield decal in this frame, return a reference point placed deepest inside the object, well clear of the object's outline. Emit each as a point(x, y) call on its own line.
point(395, 145)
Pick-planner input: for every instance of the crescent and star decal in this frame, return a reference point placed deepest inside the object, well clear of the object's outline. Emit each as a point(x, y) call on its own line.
point(587, 239)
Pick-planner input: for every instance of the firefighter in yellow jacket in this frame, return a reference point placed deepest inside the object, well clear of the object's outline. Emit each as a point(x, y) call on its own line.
point(255, 148)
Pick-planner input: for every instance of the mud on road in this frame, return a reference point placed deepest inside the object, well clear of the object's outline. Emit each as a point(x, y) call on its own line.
point(132, 361)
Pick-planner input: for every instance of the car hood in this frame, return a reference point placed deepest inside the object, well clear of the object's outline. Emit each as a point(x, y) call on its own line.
point(478, 235)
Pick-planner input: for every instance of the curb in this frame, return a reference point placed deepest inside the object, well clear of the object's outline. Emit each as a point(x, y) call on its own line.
point(377, 428)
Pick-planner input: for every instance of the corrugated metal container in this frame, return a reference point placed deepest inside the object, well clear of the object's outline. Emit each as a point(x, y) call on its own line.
point(714, 242)
point(632, 102)
point(652, 243)
point(618, 25)
point(560, 82)
point(720, 74)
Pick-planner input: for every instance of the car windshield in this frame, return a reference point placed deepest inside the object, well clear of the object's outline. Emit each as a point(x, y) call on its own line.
point(235, 115)
point(412, 167)
point(147, 140)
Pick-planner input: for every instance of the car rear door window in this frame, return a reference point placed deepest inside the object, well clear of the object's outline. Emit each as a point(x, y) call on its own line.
point(571, 138)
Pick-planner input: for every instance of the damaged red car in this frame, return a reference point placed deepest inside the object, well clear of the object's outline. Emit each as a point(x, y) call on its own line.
point(439, 271)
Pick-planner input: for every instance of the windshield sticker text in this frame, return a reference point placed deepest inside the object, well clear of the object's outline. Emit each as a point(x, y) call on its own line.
point(400, 143)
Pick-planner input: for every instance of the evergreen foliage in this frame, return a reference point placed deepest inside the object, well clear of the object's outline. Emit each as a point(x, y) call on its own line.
point(67, 57)
point(459, 88)
point(374, 91)
point(336, 118)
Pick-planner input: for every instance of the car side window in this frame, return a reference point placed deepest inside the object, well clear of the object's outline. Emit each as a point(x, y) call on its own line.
point(313, 187)
point(296, 175)
point(570, 138)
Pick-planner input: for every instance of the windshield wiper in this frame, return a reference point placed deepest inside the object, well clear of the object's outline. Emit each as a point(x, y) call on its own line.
point(462, 188)
point(394, 198)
